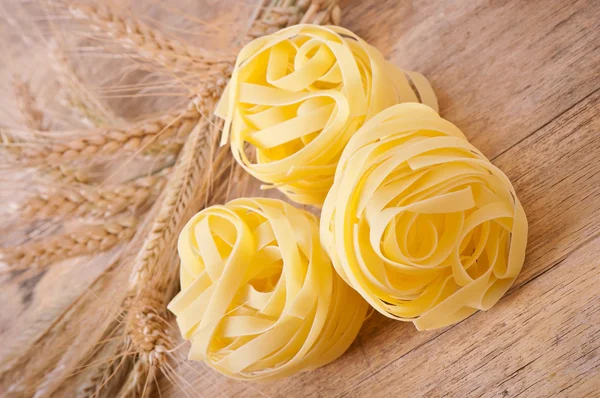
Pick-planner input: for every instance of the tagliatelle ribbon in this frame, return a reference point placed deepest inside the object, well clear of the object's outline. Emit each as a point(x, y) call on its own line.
point(259, 297)
point(419, 222)
point(298, 95)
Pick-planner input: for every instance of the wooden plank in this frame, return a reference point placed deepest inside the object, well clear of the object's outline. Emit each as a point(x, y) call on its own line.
point(501, 69)
point(543, 166)
point(540, 341)
point(556, 175)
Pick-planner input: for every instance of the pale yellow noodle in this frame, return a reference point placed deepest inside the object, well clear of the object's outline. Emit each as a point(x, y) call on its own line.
point(260, 299)
point(420, 223)
point(298, 95)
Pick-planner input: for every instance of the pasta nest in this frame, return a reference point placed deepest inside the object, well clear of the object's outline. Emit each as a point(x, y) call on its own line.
point(420, 223)
point(259, 297)
point(297, 96)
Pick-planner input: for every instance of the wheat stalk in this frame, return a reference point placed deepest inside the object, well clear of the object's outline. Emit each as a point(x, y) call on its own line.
point(85, 200)
point(86, 240)
point(149, 43)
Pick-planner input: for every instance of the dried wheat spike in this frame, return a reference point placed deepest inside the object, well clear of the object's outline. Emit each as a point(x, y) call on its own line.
point(152, 281)
point(149, 332)
point(109, 142)
point(149, 43)
point(86, 240)
point(85, 200)
point(187, 170)
point(34, 118)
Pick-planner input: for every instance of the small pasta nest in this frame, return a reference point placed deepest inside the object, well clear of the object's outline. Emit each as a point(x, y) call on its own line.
point(259, 297)
point(297, 96)
point(420, 223)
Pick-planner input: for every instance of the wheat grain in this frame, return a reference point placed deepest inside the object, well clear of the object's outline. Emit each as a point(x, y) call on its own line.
point(85, 200)
point(66, 174)
point(86, 240)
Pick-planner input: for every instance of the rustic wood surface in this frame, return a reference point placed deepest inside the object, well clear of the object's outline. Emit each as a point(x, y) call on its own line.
point(521, 79)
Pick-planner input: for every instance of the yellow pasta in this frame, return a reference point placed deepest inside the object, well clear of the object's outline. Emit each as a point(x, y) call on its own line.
point(259, 297)
point(297, 96)
point(420, 223)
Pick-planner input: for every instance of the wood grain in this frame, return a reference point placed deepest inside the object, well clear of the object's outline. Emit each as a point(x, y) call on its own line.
point(501, 69)
point(555, 171)
point(541, 341)
point(521, 79)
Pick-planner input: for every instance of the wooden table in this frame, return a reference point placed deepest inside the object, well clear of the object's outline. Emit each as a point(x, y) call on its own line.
point(521, 79)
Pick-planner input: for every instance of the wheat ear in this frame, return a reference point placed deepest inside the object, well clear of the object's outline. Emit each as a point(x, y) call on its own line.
point(86, 240)
point(109, 142)
point(85, 200)
point(150, 44)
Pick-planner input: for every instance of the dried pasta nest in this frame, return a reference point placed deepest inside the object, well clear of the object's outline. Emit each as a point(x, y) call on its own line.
point(420, 223)
point(297, 96)
point(260, 298)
